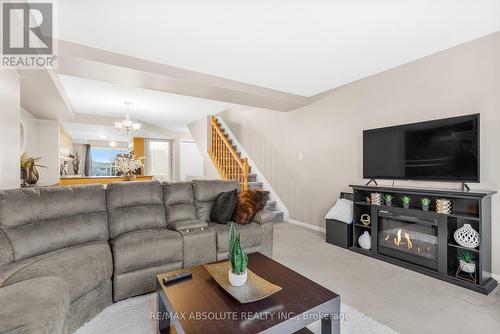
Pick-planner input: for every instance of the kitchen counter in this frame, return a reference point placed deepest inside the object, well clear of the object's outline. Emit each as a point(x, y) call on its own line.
point(69, 180)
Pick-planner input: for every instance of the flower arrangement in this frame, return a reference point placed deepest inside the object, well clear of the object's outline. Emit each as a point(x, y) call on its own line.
point(127, 166)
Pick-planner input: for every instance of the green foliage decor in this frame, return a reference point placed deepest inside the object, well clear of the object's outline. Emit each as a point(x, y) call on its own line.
point(388, 197)
point(26, 161)
point(406, 199)
point(466, 257)
point(237, 257)
point(425, 201)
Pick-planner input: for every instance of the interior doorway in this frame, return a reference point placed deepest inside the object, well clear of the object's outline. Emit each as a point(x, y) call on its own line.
point(159, 159)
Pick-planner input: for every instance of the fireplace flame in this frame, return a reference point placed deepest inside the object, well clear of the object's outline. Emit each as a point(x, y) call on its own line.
point(399, 240)
point(408, 241)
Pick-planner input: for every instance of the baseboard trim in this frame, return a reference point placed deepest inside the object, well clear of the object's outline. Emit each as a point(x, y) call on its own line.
point(309, 226)
point(496, 277)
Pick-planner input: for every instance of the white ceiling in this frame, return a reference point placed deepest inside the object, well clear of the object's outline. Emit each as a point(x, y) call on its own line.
point(301, 47)
point(83, 132)
point(170, 111)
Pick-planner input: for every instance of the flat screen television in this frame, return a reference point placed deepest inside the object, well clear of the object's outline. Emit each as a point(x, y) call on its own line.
point(440, 150)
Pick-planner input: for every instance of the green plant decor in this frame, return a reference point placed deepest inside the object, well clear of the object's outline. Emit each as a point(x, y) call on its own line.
point(388, 198)
point(26, 161)
point(237, 257)
point(466, 257)
point(406, 200)
point(425, 201)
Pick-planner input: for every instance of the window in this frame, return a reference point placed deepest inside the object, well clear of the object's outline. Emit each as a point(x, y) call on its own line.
point(103, 160)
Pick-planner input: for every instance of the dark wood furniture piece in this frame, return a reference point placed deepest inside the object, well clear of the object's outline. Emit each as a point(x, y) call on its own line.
point(469, 207)
point(299, 303)
point(339, 233)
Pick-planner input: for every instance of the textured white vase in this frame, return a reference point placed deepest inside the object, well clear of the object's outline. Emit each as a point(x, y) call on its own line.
point(365, 240)
point(466, 236)
point(237, 280)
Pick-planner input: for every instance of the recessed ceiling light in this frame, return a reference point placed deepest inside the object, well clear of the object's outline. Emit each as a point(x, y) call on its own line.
point(112, 143)
point(102, 136)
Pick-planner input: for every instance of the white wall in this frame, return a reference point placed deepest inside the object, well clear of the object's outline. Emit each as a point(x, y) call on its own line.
point(461, 80)
point(10, 115)
point(30, 132)
point(191, 161)
point(199, 132)
point(42, 138)
point(48, 149)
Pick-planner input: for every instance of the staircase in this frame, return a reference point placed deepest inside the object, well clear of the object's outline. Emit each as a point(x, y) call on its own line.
point(232, 166)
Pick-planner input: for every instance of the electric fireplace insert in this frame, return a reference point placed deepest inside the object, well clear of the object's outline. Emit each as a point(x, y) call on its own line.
point(408, 238)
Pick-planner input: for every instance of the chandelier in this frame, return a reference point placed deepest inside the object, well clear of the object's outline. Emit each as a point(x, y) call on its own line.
point(127, 125)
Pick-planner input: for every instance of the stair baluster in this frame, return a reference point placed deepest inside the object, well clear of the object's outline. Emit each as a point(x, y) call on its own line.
point(225, 158)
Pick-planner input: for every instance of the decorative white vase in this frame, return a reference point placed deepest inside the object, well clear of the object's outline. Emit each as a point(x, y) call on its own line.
point(466, 236)
point(365, 240)
point(468, 267)
point(444, 206)
point(376, 198)
point(237, 280)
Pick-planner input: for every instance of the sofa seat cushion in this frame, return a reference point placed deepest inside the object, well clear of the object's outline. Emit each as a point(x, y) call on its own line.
point(83, 267)
point(264, 217)
point(251, 235)
point(187, 224)
point(36, 306)
point(146, 248)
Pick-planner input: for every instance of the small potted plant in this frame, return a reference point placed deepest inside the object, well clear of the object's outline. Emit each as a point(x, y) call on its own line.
point(425, 202)
point(467, 263)
point(388, 199)
point(406, 201)
point(238, 258)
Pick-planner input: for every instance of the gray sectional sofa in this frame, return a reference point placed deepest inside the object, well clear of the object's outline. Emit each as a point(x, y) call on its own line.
point(66, 253)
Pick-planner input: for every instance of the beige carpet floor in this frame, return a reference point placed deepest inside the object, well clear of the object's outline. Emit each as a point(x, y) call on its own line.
point(404, 300)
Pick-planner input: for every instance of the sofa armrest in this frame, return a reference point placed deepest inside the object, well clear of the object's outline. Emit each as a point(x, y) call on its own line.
point(263, 217)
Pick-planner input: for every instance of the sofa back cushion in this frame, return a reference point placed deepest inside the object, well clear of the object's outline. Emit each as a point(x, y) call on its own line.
point(39, 220)
point(6, 251)
point(178, 199)
point(134, 206)
point(205, 192)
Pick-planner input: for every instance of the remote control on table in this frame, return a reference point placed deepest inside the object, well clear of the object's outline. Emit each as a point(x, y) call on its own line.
point(177, 277)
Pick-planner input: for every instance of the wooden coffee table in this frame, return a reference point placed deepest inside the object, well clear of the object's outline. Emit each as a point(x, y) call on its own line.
point(200, 305)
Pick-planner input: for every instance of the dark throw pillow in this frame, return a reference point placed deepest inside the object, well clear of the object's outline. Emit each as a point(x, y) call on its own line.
point(249, 203)
point(223, 207)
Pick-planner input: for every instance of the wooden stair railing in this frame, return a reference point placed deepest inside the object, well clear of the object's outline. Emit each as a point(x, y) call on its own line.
point(225, 158)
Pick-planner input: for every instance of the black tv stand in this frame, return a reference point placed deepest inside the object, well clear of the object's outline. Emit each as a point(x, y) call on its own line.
point(372, 180)
point(465, 187)
point(469, 207)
